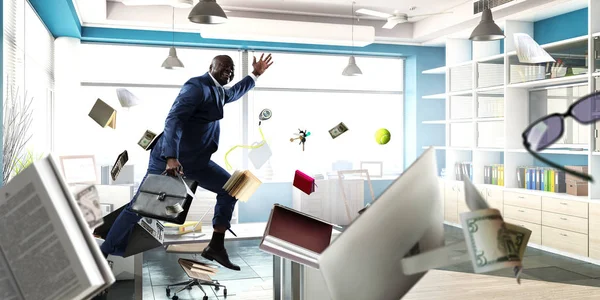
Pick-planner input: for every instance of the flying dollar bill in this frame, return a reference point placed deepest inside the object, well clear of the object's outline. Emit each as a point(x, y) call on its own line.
point(338, 130)
point(492, 243)
point(147, 139)
point(89, 204)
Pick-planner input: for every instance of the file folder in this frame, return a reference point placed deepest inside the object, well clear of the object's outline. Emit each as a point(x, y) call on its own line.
point(521, 177)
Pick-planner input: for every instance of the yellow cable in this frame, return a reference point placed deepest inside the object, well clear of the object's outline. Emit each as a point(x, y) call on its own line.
point(227, 165)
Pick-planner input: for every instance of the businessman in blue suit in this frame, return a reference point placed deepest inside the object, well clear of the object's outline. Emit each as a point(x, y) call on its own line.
point(190, 137)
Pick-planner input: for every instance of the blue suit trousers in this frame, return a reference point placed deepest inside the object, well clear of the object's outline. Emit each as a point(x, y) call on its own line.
point(212, 177)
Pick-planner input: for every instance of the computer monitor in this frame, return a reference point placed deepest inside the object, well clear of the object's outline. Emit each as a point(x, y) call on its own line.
point(364, 262)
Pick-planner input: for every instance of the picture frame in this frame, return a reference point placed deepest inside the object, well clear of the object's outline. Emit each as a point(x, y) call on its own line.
point(375, 168)
point(79, 169)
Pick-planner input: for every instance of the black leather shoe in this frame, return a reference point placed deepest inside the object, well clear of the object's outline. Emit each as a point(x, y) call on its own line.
point(220, 256)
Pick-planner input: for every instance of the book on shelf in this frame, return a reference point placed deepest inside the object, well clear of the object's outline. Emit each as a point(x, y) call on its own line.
point(463, 168)
point(242, 185)
point(493, 174)
point(47, 250)
point(541, 179)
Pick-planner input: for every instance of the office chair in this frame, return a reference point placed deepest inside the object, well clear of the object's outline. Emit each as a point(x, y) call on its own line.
point(198, 280)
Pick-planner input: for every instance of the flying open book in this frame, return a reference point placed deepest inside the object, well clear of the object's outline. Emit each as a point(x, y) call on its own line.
point(242, 185)
point(46, 248)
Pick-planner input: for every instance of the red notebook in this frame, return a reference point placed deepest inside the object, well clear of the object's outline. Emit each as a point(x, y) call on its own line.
point(304, 182)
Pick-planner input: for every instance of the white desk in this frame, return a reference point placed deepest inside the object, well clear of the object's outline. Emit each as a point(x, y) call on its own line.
point(283, 288)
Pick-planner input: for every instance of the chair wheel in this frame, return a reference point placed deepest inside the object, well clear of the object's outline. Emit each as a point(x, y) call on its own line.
point(175, 298)
point(189, 287)
point(225, 293)
point(205, 298)
point(168, 292)
point(217, 288)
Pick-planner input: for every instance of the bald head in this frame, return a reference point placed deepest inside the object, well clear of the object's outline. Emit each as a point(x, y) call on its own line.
point(222, 69)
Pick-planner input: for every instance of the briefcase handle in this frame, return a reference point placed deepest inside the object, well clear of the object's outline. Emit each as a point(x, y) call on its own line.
point(187, 188)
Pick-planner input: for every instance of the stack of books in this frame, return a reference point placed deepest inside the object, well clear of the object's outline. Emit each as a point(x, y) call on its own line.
point(493, 174)
point(242, 185)
point(541, 179)
point(463, 168)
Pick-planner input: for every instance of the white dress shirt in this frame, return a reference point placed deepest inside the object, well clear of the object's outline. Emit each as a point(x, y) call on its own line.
point(222, 89)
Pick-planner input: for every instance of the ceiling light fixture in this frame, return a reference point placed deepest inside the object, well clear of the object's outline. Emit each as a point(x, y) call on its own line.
point(352, 69)
point(487, 30)
point(172, 61)
point(207, 12)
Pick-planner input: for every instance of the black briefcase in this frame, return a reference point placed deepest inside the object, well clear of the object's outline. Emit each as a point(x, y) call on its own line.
point(165, 198)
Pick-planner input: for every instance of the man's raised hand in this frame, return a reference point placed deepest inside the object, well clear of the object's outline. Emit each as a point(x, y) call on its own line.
point(262, 64)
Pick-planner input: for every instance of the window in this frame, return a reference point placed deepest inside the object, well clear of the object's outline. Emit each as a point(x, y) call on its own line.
point(303, 90)
point(307, 91)
point(29, 67)
point(108, 67)
point(318, 112)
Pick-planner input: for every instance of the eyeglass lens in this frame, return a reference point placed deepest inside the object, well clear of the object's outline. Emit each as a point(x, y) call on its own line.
point(545, 133)
point(587, 110)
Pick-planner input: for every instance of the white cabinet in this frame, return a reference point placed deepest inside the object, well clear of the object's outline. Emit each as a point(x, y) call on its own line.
point(327, 202)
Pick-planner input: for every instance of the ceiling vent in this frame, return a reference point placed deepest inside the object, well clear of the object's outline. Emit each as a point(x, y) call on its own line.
point(480, 5)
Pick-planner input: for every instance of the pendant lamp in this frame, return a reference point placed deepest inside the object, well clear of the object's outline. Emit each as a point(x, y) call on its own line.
point(207, 12)
point(352, 69)
point(487, 30)
point(172, 61)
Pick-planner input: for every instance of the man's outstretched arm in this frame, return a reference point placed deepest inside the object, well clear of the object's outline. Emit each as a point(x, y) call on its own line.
point(246, 84)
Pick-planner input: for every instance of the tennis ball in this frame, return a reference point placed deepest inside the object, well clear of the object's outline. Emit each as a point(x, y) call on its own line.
point(382, 136)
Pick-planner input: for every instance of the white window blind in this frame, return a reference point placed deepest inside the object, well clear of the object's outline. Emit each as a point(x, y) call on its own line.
point(29, 66)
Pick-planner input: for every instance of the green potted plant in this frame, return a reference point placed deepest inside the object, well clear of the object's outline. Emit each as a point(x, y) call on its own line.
point(18, 116)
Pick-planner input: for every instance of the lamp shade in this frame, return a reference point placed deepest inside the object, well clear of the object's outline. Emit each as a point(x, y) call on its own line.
point(352, 69)
point(207, 12)
point(172, 62)
point(487, 30)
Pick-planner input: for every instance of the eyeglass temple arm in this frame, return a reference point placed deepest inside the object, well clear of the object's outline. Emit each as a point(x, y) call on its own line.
point(574, 173)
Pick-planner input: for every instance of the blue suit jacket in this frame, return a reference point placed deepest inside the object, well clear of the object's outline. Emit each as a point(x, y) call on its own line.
point(192, 129)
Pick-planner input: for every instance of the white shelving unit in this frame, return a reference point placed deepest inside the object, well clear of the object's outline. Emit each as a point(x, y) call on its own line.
point(488, 69)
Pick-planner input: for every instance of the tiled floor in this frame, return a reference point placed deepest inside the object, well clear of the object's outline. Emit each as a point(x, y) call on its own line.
point(161, 269)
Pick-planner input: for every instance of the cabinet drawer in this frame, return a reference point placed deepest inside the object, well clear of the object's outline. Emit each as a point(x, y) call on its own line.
point(565, 222)
point(564, 240)
point(523, 214)
point(523, 200)
point(451, 211)
point(565, 207)
point(536, 229)
point(594, 230)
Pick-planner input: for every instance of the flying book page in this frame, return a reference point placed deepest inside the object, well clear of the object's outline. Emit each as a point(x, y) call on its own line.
point(47, 250)
point(127, 98)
